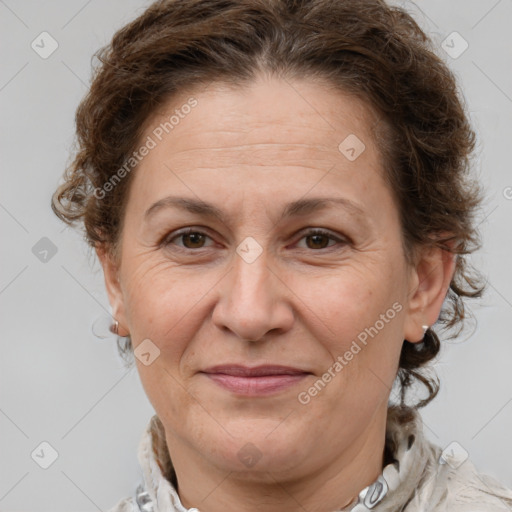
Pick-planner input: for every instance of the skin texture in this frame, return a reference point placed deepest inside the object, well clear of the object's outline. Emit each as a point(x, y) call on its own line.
point(301, 303)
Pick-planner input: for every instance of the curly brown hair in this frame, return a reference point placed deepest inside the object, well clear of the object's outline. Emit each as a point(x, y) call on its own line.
point(362, 47)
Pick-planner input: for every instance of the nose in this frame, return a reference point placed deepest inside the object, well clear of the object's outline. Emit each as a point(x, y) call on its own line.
point(254, 300)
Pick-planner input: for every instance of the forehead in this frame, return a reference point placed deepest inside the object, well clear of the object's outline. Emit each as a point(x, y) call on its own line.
point(271, 134)
point(309, 113)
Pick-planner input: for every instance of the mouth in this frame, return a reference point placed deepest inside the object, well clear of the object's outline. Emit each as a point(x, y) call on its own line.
point(256, 381)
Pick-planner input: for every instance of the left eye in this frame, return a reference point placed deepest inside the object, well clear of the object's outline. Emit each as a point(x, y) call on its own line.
point(316, 235)
point(193, 239)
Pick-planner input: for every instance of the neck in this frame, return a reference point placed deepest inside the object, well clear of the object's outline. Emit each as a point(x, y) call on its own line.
point(331, 486)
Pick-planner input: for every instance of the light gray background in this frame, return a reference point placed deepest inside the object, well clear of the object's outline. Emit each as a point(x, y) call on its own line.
point(61, 384)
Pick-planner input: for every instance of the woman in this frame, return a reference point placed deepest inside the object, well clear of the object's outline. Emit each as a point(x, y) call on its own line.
point(278, 193)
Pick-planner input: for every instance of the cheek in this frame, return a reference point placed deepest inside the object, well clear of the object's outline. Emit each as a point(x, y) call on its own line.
point(344, 303)
point(358, 318)
point(162, 306)
point(158, 295)
point(169, 306)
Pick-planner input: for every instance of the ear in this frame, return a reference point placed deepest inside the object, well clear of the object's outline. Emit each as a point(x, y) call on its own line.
point(431, 278)
point(115, 295)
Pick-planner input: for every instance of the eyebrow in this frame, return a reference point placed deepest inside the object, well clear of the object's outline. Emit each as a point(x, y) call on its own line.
point(293, 209)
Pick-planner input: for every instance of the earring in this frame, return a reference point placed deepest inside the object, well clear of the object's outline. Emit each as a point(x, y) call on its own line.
point(115, 327)
point(425, 329)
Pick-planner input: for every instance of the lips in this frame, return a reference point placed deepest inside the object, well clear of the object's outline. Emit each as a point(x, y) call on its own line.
point(259, 380)
point(258, 371)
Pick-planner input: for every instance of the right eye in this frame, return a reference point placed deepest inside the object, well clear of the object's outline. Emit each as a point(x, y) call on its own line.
point(191, 238)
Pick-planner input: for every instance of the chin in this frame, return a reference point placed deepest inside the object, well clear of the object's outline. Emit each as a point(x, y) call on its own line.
point(259, 446)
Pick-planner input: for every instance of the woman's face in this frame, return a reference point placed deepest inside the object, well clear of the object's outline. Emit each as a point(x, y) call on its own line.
point(254, 287)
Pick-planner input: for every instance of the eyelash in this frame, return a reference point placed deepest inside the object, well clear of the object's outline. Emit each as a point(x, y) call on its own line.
point(187, 231)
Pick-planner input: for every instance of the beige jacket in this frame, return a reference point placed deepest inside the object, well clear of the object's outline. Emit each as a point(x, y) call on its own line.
point(423, 478)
